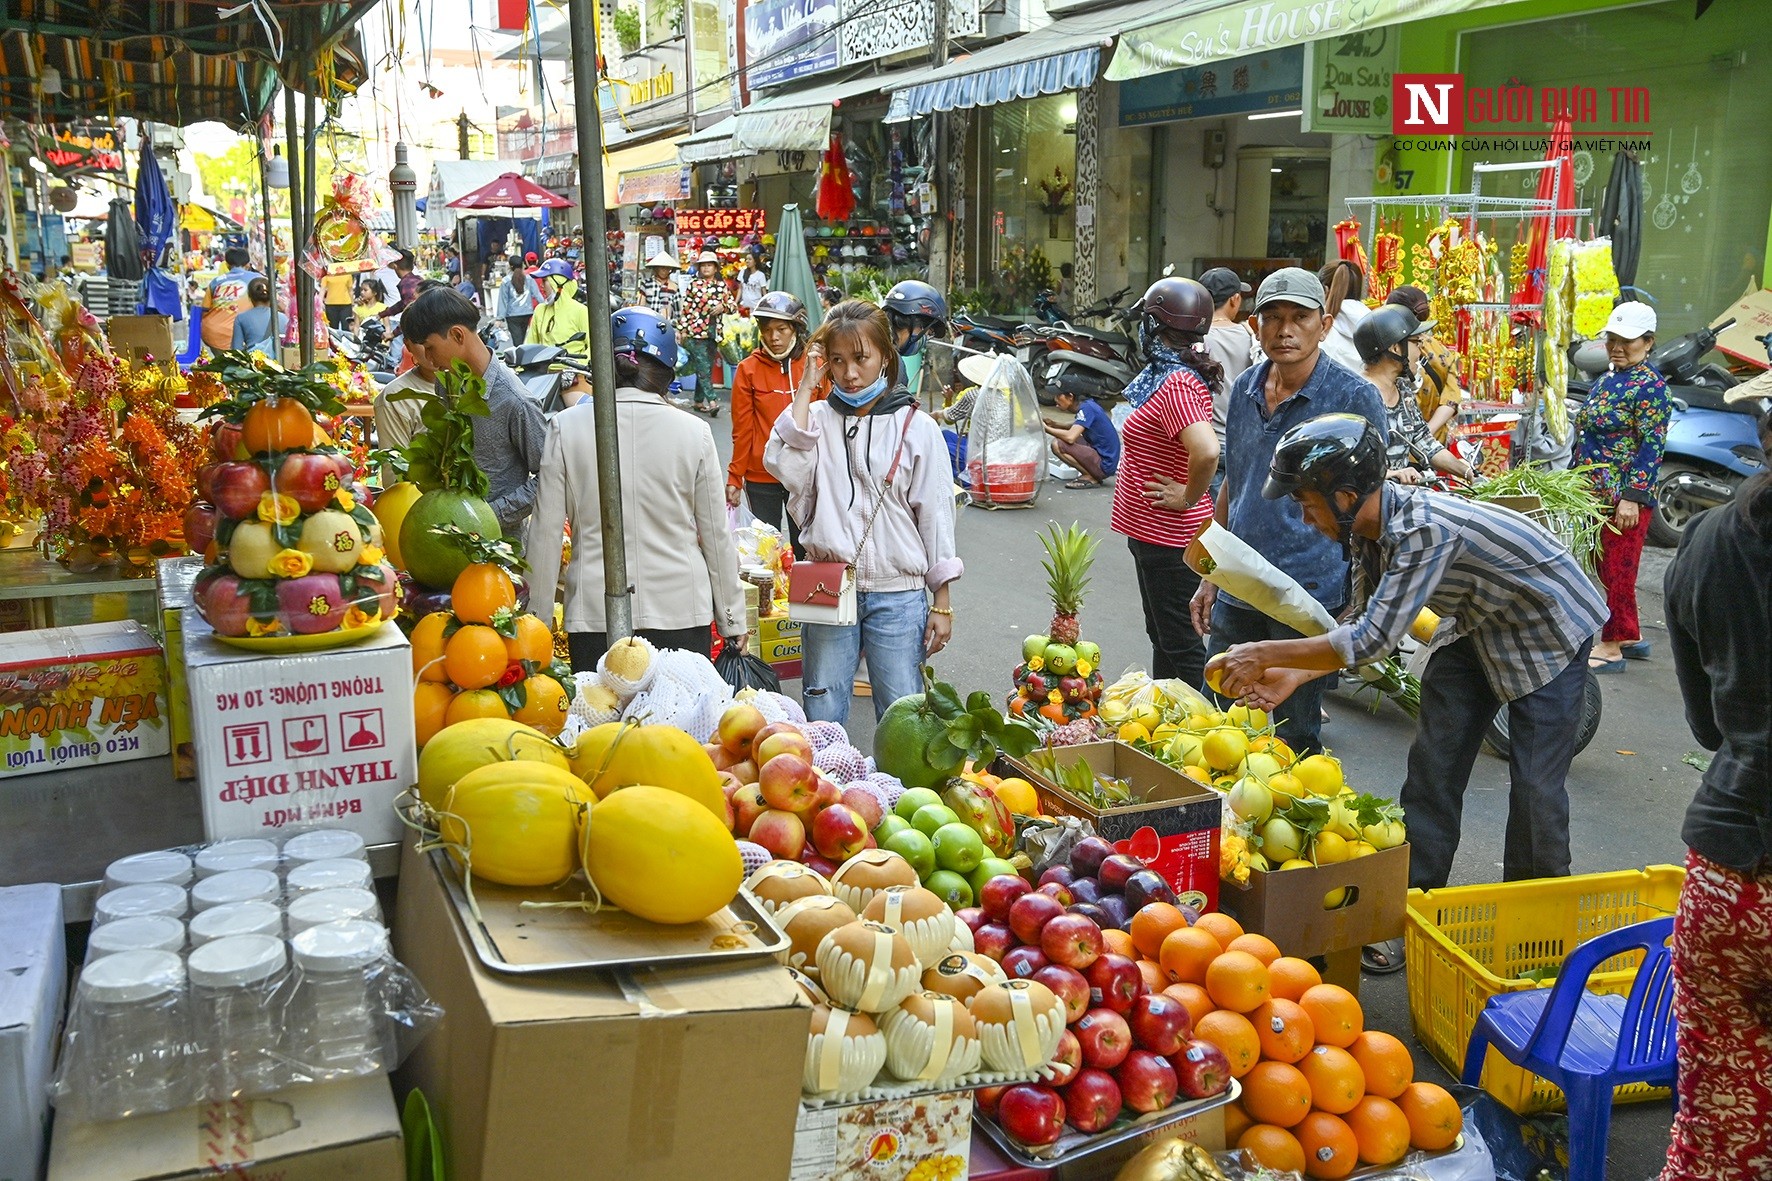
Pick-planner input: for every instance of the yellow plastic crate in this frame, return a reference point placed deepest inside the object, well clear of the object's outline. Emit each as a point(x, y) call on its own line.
point(1465, 944)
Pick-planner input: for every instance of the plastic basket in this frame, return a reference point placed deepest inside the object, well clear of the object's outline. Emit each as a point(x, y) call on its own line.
point(1465, 944)
point(1003, 483)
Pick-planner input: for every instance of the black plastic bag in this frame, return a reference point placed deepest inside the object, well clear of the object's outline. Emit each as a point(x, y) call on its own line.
point(744, 670)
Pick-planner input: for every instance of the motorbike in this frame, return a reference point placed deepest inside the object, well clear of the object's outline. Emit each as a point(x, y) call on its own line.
point(1090, 362)
point(1712, 443)
point(371, 346)
point(546, 370)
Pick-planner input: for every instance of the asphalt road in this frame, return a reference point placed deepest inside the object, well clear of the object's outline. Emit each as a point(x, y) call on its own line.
point(1628, 789)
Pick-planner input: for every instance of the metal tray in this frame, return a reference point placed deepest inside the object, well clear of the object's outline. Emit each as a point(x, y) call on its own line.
point(1074, 1145)
point(511, 939)
point(880, 1092)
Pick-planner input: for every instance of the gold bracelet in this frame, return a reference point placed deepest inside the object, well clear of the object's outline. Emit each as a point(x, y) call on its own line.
point(948, 611)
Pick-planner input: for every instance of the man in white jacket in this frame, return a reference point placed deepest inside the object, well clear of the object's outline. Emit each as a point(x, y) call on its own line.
point(682, 565)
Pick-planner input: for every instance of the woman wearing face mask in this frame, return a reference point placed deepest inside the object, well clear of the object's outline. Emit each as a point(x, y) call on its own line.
point(865, 455)
point(762, 387)
point(1621, 431)
point(562, 317)
point(1386, 341)
point(698, 321)
point(916, 310)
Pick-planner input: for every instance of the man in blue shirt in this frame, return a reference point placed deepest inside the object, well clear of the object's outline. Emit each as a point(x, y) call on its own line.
point(1296, 382)
point(1090, 444)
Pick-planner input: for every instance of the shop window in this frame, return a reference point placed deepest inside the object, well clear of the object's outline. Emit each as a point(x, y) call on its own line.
point(1028, 199)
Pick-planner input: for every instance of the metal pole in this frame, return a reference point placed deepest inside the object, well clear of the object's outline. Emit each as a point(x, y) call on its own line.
point(264, 193)
point(304, 281)
point(618, 608)
point(292, 134)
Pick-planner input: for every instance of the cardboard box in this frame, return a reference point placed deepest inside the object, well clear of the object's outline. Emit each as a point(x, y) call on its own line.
point(135, 337)
point(343, 1131)
point(1753, 317)
point(1174, 827)
point(778, 638)
point(647, 1075)
point(175, 577)
point(33, 979)
point(81, 697)
point(1287, 907)
point(885, 1141)
point(319, 737)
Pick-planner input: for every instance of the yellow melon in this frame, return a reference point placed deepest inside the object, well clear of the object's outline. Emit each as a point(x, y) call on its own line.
point(659, 855)
point(621, 754)
point(458, 749)
point(518, 824)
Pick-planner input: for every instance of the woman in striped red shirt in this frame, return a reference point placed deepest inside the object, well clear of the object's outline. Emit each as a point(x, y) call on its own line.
point(1168, 454)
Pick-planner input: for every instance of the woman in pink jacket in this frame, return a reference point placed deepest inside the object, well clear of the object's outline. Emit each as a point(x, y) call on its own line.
point(868, 447)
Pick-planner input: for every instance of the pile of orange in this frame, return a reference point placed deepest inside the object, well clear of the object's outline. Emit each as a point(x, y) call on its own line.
point(485, 660)
point(1322, 1094)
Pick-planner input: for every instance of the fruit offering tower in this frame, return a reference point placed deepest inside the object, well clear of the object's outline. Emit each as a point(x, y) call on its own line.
point(1059, 677)
point(294, 550)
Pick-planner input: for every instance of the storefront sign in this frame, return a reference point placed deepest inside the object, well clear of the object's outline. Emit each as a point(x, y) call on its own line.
point(1257, 26)
point(1264, 81)
point(659, 182)
point(719, 221)
point(651, 86)
point(1348, 82)
point(709, 61)
point(787, 39)
point(81, 149)
point(871, 30)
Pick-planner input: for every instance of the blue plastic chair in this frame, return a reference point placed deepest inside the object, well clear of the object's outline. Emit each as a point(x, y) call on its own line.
point(194, 341)
point(1586, 1043)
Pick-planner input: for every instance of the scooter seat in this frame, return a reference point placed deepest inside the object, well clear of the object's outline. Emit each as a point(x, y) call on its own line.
point(1701, 397)
point(995, 322)
point(1118, 340)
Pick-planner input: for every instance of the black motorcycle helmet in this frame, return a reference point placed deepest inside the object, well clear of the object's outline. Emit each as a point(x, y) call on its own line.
point(1383, 330)
point(779, 305)
point(917, 307)
point(1328, 454)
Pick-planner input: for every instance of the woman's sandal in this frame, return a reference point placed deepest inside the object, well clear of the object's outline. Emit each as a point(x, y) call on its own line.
point(1636, 651)
point(1080, 482)
point(1601, 667)
point(1383, 958)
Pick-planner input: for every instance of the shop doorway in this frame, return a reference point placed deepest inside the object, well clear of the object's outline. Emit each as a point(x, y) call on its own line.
point(1283, 204)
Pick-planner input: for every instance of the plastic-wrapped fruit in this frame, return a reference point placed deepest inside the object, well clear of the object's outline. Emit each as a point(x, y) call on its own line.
point(781, 882)
point(867, 966)
point(919, 916)
point(930, 1036)
point(806, 921)
point(979, 809)
point(1019, 1024)
point(844, 1051)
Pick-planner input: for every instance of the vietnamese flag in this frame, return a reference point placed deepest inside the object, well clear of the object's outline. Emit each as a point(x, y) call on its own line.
point(836, 195)
point(513, 14)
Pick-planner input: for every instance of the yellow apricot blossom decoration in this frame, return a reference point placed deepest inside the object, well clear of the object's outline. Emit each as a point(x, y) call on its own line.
point(275, 508)
point(290, 563)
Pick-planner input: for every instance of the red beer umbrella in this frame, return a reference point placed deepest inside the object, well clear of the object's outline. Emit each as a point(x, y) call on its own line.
point(511, 191)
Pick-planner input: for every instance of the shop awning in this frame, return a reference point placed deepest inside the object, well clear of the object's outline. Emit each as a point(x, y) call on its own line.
point(800, 120)
point(1062, 56)
point(1218, 31)
point(710, 143)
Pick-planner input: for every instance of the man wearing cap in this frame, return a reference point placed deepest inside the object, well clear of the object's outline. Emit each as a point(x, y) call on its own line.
point(706, 301)
point(1230, 342)
point(1294, 383)
point(656, 290)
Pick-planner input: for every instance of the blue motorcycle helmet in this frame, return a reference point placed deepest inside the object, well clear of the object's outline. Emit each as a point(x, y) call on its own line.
point(642, 332)
point(919, 309)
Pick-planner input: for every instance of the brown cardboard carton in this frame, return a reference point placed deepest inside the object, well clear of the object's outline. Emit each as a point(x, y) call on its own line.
point(136, 337)
point(642, 1074)
point(1287, 907)
point(891, 1140)
point(343, 1131)
point(81, 697)
point(1173, 825)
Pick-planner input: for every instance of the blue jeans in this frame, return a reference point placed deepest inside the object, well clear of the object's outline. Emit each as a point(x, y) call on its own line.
point(891, 626)
point(1300, 716)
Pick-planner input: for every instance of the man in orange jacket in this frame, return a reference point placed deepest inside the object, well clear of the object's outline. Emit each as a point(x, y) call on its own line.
point(763, 386)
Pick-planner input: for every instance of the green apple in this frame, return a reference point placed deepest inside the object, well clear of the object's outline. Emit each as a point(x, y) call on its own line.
point(1061, 658)
point(930, 817)
point(950, 887)
point(1034, 646)
point(915, 848)
point(916, 797)
point(990, 867)
point(890, 824)
point(958, 847)
point(1090, 652)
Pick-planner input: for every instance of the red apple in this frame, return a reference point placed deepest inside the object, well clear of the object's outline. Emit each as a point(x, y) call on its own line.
point(729, 785)
point(1031, 1115)
point(782, 833)
point(987, 1099)
point(747, 805)
point(1117, 870)
point(788, 783)
point(311, 478)
point(993, 939)
point(1088, 854)
point(1022, 962)
point(1072, 940)
point(1067, 1060)
point(1105, 1037)
point(745, 770)
point(224, 604)
point(229, 443)
point(238, 487)
point(727, 814)
point(1029, 913)
point(1201, 1070)
point(738, 728)
point(1114, 981)
point(206, 481)
point(723, 759)
point(1064, 894)
point(1069, 986)
point(200, 522)
point(1064, 875)
point(865, 803)
point(1147, 1081)
point(822, 865)
point(998, 894)
point(972, 917)
point(825, 793)
point(1092, 1100)
point(838, 832)
point(783, 742)
point(1160, 1023)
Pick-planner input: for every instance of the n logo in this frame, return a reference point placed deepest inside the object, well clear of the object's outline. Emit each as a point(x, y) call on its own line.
point(1427, 104)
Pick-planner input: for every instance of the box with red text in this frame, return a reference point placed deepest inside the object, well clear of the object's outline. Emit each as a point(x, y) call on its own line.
point(80, 697)
point(286, 742)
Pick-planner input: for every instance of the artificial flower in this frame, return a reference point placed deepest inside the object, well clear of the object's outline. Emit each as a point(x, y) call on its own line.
point(275, 508)
point(268, 628)
point(346, 501)
point(370, 555)
point(290, 563)
point(356, 617)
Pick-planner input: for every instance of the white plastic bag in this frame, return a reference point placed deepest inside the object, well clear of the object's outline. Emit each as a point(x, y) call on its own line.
point(1006, 444)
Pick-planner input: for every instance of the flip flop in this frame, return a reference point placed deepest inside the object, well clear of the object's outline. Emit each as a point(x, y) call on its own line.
point(1382, 958)
point(1636, 651)
point(1082, 483)
point(1604, 667)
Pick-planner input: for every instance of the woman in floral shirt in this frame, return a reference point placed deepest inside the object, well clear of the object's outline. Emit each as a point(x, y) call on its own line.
point(698, 326)
point(1621, 431)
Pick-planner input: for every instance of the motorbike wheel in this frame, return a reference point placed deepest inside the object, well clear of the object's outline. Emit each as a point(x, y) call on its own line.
point(1673, 512)
point(1496, 741)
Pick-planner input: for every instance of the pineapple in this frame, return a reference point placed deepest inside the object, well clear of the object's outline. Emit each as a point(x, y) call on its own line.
point(1069, 555)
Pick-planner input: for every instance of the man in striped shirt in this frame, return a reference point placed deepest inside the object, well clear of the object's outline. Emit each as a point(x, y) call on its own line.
point(1518, 617)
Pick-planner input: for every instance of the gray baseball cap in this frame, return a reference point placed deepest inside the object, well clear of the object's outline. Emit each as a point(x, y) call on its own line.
point(1222, 283)
point(1290, 285)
